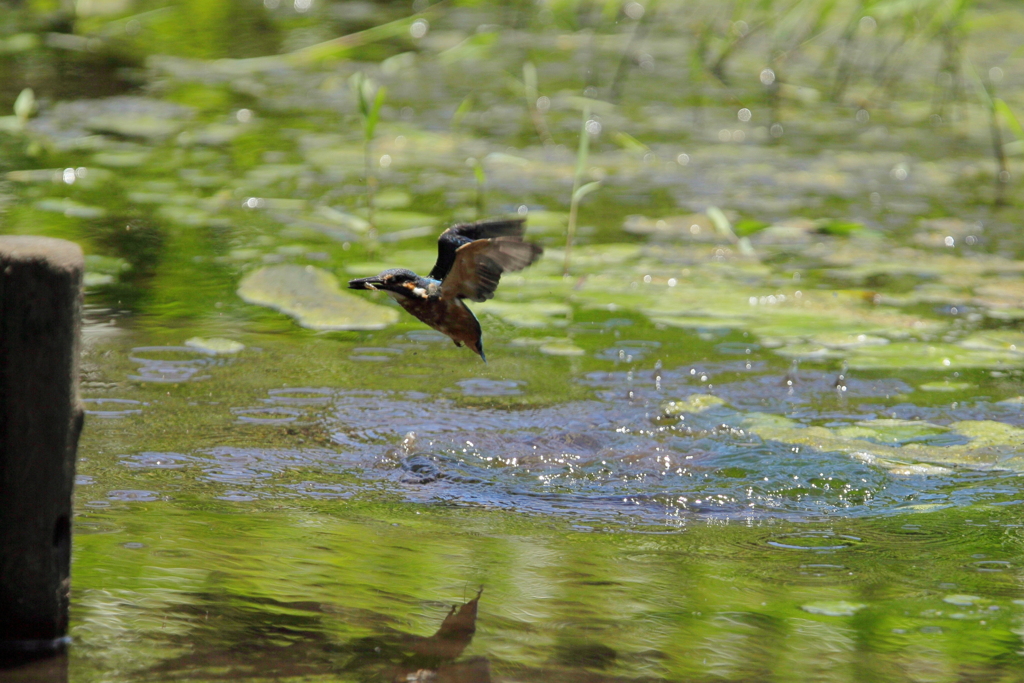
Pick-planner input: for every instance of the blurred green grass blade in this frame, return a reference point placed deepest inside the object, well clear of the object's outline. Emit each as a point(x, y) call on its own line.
point(1003, 110)
point(629, 143)
point(584, 190)
point(986, 97)
point(583, 151)
point(337, 47)
point(374, 116)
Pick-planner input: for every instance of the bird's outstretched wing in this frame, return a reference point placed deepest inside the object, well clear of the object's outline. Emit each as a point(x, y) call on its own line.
point(478, 265)
point(464, 233)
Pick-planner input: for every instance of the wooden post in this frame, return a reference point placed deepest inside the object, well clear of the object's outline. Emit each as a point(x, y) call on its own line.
point(38, 670)
point(40, 420)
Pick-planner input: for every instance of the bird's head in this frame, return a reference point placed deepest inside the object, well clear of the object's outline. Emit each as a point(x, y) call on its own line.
point(393, 281)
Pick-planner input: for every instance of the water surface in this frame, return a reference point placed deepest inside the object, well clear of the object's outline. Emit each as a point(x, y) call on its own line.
point(767, 428)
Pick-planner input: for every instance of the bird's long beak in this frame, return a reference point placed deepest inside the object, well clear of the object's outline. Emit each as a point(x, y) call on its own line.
point(373, 283)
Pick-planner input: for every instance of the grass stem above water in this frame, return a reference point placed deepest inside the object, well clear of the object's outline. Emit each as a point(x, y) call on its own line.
point(997, 109)
point(370, 99)
point(579, 190)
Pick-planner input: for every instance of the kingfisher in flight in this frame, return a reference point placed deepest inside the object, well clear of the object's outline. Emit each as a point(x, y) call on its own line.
point(470, 260)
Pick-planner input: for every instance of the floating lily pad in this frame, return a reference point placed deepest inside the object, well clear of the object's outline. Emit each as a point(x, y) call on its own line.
point(268, 174)
point(839, 340)
point(401, 220)
point(546, 221)
point(121, 159)
point(213, 134)
point(105, 264)
point(696, 227)
point(561, 348)
point(807, 352)
point(533, 314)
point(345, 220)
point(700, 321)
point(961, 600)
point(123, 116)
point(203, 178)
point(945, 386)
point(215, 346)
point(103, 270)
point(134, 126)
point(187, 215)
point(696, 403)
point(945, 232)
point(416, 260)
point(833, 608)
point(36, 175)
point(71, 208)
point(996, 340)
point(313, 298)
point(339, 159)
point(392, 198)
point(790, 233)
point(279, 203)
point(923, 356)
point(367, 268)
point(407, 234)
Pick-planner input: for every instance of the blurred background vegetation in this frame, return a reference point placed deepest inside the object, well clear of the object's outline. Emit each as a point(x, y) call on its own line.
point(482, 115)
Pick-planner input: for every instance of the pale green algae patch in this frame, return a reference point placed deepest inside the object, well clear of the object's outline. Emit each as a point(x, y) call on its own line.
point(990, 444)
point(905, 447)
point(313, 298)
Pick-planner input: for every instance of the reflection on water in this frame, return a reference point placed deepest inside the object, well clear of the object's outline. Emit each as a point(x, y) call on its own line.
point(329, 596)
point(170, 364)
point(284, 640)
point(109, 407)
